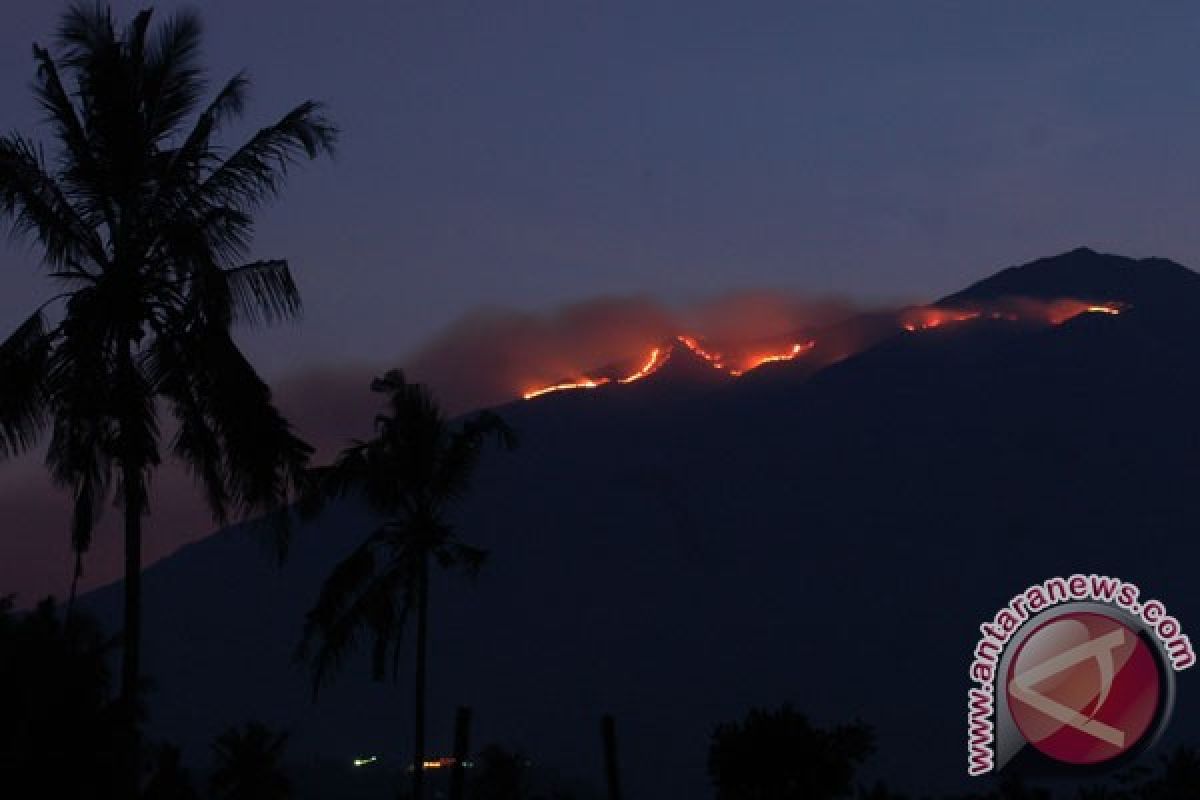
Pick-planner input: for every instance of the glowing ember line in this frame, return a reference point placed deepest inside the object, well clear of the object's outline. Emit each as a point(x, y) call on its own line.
point(1102, 310)
point(714, 359)
point(797, 349)
point(927, 318)
point(652, 364)
point(584, 383)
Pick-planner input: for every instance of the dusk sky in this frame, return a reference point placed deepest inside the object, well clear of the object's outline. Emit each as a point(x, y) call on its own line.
point(527, 155)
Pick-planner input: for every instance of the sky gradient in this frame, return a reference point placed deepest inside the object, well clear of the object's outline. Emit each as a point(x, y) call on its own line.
point(527, 155)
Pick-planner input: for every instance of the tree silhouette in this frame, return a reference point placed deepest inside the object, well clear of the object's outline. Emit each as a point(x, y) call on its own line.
point(412, 473)
point(248, 765)
point(143, 224)
point(58, 727)
point(779, 755)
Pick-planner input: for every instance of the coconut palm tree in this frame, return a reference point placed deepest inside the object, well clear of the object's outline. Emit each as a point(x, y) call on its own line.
point(143, 221)
point(412, 473)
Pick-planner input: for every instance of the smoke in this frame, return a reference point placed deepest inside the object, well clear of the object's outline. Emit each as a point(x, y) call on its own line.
point(492, 356)
point(486, 358)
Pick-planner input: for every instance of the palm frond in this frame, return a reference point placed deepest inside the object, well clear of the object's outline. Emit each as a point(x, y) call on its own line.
point(196, 151)
point(86, 29)
point(173, 79)
point(255, 173)
point(37, 204)
point(24, 361)
point(237, 442)
point(455, 468)
point(358, 597)
point(323, 485)
point(60, 111)
point(263, 292)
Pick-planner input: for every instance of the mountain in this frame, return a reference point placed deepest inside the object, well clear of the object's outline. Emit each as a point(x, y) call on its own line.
point(676, 551)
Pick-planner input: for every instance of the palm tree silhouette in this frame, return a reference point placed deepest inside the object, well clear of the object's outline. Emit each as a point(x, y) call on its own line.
point(143, 224)
point(415, 469)
point(248, 764)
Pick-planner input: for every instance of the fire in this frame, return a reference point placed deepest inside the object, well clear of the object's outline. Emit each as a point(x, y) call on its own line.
point(656, 360)
point(1053, 312)
point(755, 362)
point(714, 359)
point(1062, 310)
point(582, 383)
point(922, 319)
point(1013, 309)
point(660, 355)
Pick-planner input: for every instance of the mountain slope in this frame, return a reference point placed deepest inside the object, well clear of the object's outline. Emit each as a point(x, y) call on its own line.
point(833, 541)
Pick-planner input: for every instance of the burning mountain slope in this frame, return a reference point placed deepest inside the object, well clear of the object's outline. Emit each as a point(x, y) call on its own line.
point(1029, 296)
point(833, 542)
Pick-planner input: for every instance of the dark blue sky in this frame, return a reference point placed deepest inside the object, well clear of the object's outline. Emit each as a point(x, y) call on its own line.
point(527, 154)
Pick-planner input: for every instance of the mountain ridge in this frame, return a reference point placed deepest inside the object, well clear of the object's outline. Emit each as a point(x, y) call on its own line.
point(826, 539)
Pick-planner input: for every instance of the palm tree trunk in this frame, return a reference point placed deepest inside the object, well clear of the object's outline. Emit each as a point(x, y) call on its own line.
point(131, 635)
point(131, 638)
point(419, 713)
point(76, 575)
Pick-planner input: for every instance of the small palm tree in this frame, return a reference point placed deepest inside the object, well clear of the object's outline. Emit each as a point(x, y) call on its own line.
point(412, 473)
point(249, 765)
point(143, 221)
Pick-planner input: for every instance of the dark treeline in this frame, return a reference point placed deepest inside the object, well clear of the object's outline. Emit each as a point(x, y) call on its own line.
point(58, 707)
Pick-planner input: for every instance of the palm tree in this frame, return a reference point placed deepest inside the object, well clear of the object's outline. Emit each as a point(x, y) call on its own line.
point(249, 765)
point(144, 222)
point(412, 473)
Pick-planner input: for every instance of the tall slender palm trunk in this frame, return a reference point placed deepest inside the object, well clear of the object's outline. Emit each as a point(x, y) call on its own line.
point(419, 705)
point(133, 487)
point(131, 638)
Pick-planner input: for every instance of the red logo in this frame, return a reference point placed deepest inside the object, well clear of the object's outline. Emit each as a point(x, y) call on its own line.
point(1084, 688)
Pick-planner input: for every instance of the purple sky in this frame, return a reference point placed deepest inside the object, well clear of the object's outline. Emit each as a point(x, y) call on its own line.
point(526, 155)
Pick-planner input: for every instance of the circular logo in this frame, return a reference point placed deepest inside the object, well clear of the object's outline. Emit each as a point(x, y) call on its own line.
point(1084, 688)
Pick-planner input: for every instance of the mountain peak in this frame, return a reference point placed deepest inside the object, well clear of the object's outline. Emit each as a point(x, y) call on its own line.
point(1086, 274)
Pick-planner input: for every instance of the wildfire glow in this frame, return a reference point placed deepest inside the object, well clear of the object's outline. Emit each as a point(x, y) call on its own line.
point(1053, 312)
point(656, 360)
point(714, 359)
point(1012, 309)
point(660, 355)
point(922, 319)
point(582, 383)
point(1063, 310)
point(755, 362)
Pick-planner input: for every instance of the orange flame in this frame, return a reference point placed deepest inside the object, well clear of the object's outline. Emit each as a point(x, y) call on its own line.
point(582, 383)
point(922, 319)
point(754, 362)
point(1054, 312)
point(652, 364)
point(1062, 310)
point(714, 359)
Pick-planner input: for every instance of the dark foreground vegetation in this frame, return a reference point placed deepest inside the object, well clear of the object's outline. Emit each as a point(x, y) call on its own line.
point(58, 709)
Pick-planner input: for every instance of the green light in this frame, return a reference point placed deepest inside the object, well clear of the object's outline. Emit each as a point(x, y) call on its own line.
point(362, 762)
